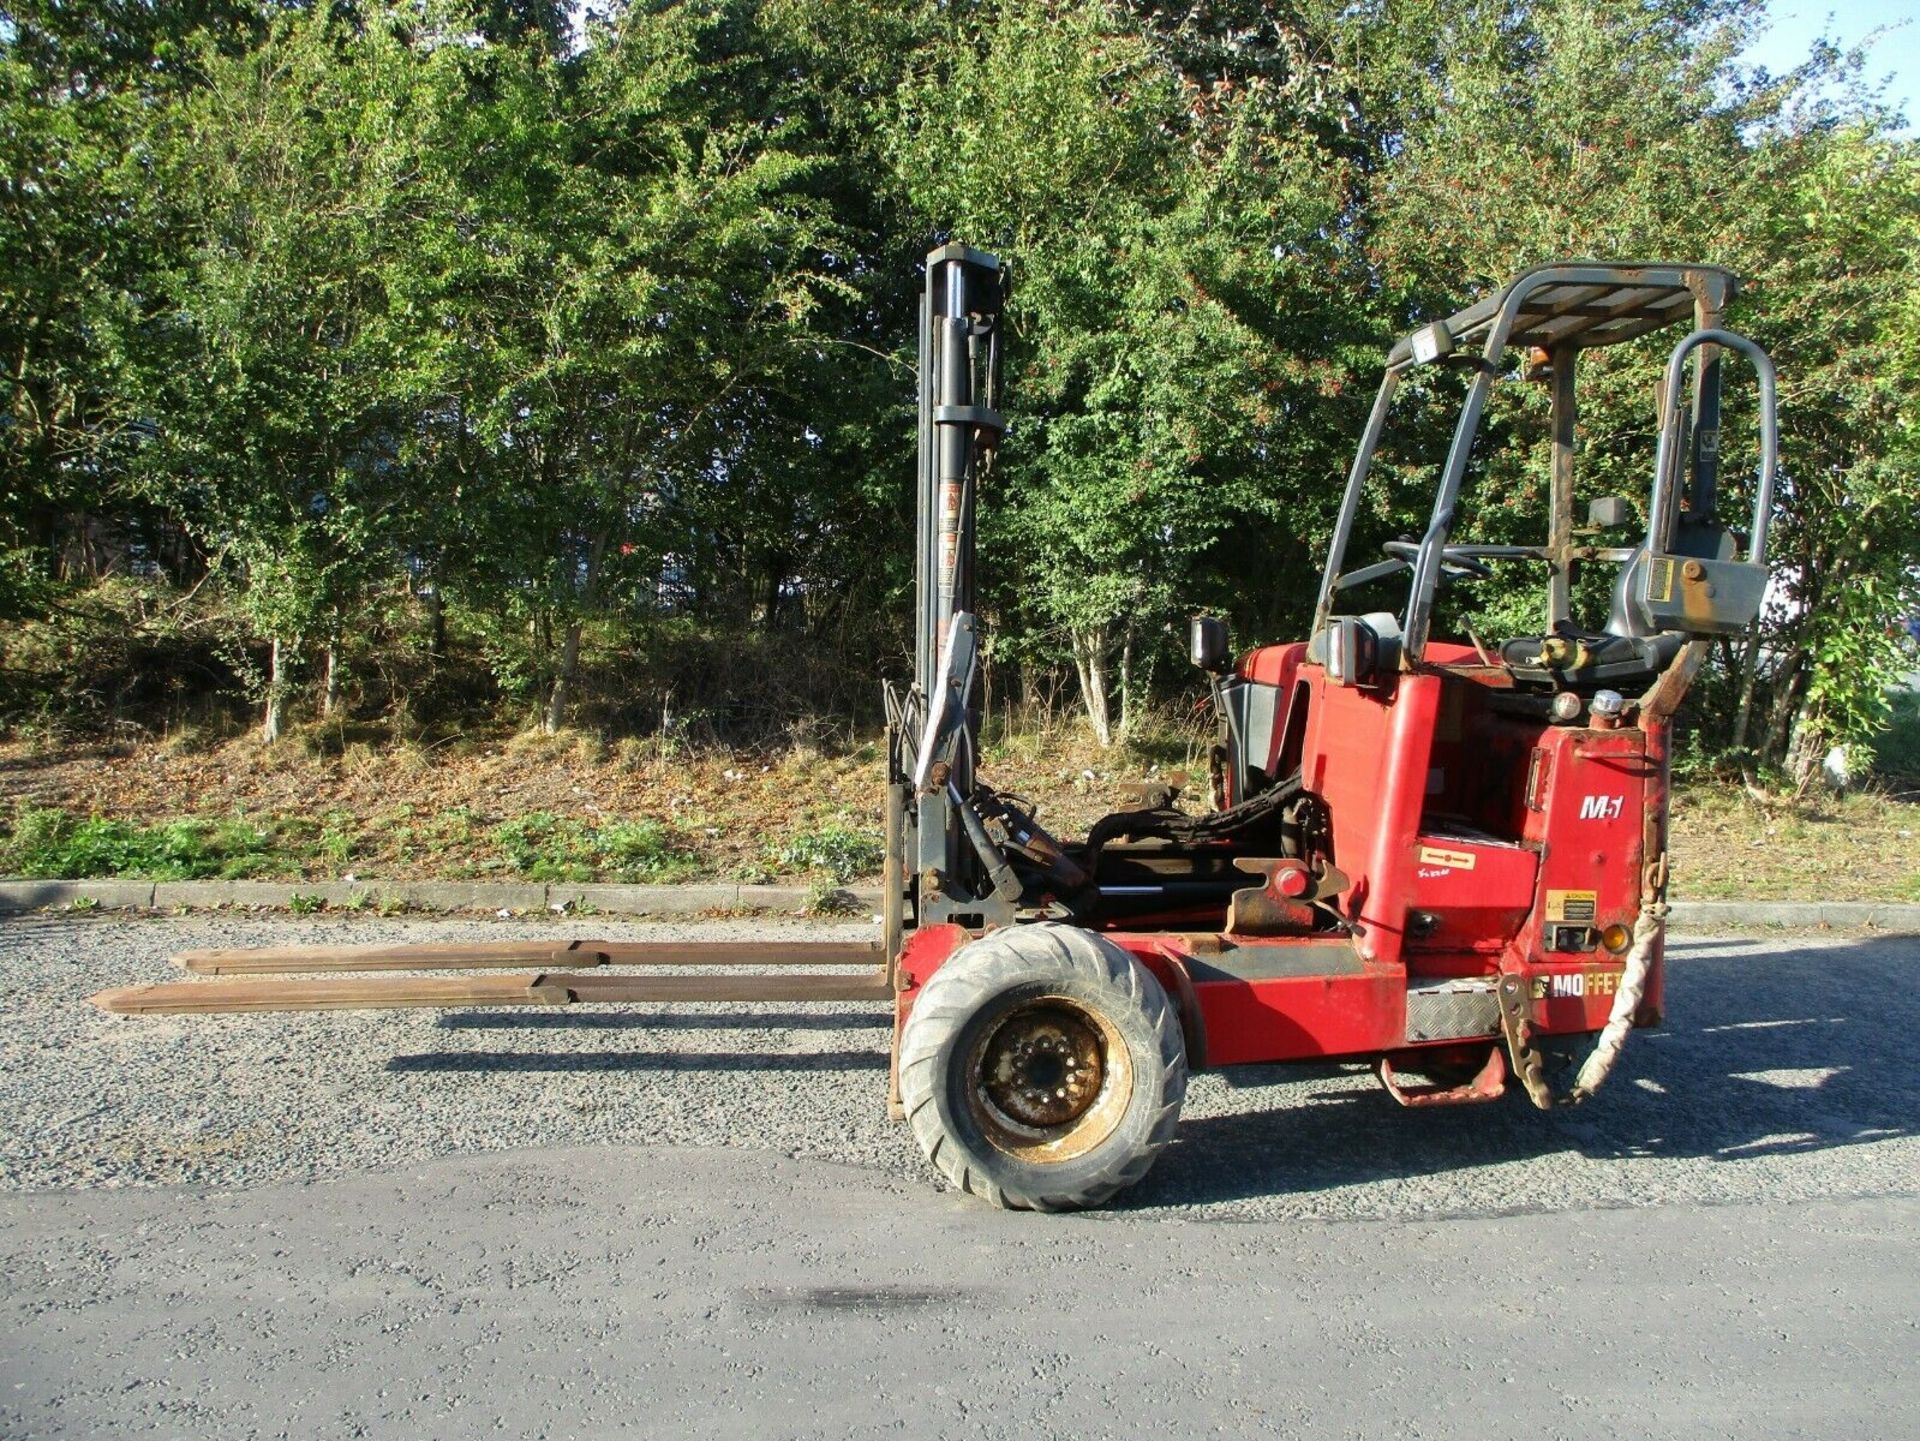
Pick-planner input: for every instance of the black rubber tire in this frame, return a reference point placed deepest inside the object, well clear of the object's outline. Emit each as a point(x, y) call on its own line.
point(995, 977)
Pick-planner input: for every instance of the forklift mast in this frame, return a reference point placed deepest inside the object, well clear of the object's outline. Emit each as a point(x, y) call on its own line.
point(944, 866)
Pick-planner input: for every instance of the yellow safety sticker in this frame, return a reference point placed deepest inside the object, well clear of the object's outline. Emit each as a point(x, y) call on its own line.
point(1572, 905)
point(1660, 579)
point(1439, 856)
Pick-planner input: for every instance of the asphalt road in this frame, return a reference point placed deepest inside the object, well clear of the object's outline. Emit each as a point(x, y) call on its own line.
point(491, 1224)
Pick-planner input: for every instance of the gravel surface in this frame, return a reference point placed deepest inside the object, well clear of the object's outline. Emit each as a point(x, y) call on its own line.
point(1787, 1074)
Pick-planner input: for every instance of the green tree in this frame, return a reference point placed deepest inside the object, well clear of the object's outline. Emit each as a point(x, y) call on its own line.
point(1836, 295)
point(634, 246)
point(293, 169)
point(1167, 237)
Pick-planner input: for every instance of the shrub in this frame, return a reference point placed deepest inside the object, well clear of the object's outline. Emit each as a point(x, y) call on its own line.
point(545, 847)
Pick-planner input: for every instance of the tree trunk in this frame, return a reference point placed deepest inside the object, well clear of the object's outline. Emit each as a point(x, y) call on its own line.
point(561, 696)
point(275, 719)
point(1749, 676)
point(1807, 757)
point(1090, 660)
point(569, 669)
point(986, 696)
point(436, 624)
point(770, 596)
point(330, 697)
point(1786, 705)
point(1126, 682)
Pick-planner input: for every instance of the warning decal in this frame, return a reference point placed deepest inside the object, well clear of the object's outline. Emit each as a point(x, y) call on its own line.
point(1660, 579)
point(1571, 905)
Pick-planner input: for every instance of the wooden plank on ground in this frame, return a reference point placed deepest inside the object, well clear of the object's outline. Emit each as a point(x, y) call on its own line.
point(551, 955)
point(869, 986)
point(249, 994)
point(277, 960)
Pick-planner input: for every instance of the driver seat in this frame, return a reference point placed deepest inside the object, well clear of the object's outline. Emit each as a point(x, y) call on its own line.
point(1629, 654)
point(1570, 658)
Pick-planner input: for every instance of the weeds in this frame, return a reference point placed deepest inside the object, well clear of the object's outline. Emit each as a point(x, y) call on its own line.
point(839, 851)
point(306, 905)
point(827, 899)
point(47, 843)
point(544, 847)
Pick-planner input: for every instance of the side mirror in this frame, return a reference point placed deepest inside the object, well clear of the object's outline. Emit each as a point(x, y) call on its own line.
point(1610, 512)
point(1207, 644)
point(1353, 651)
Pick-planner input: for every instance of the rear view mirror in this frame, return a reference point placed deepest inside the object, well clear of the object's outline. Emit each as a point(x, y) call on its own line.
point(1353, 651)
point(1207, 644)
point(1610, 512)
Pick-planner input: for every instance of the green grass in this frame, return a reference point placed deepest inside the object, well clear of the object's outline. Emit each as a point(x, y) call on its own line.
point(46, 843)
point(50, 844)
point(544, 847)
point(837, 851)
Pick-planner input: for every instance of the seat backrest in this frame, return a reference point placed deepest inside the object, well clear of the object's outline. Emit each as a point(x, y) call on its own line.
point(1627, 615)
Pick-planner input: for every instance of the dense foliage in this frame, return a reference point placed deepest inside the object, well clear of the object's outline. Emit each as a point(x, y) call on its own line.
point(418, 358)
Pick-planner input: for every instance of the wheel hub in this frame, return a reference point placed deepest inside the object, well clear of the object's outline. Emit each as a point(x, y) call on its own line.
point(1043, 1067)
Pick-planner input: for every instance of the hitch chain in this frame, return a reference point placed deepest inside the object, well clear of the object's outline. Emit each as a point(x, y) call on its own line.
point(1529, 1065)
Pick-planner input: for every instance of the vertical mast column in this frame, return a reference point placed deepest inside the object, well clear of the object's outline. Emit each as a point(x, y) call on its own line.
point(959, 373)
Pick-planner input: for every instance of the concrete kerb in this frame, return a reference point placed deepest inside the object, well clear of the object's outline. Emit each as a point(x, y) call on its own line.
point(46, 895)
point(1798, 915)
point(495, 896)
point(643, 900)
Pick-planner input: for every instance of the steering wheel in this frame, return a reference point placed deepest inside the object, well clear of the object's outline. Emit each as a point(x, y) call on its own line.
point(1453, 565)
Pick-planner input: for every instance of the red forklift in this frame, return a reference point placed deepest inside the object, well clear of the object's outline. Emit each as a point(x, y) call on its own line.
point(1442, 857)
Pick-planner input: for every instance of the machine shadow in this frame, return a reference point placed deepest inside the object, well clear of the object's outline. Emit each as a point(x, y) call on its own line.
point(1797, 1051)
point(572, 1020)
point(495, 1062)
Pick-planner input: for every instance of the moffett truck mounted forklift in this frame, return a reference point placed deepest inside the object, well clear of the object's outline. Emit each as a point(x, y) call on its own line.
point(1442, 858)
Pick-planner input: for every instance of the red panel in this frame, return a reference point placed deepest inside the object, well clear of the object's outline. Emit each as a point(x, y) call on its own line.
point(1478, 892)
point(1357, 1012)
point(927, 949)
point(1299, 1016)
point(1400, 791)
point(1275, 665)
point(1588, 813)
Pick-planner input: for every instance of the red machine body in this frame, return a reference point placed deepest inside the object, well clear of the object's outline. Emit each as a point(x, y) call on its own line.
point(1422, 851)
point(1476, 845)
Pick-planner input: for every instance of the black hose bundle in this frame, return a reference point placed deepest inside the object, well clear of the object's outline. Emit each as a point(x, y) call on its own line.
point(1166, 823)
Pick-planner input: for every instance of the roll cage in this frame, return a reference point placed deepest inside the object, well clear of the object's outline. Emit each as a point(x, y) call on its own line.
point(1561, 310)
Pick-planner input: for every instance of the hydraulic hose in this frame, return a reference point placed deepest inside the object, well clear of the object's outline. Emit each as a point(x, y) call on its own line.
point(1599, 1063)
